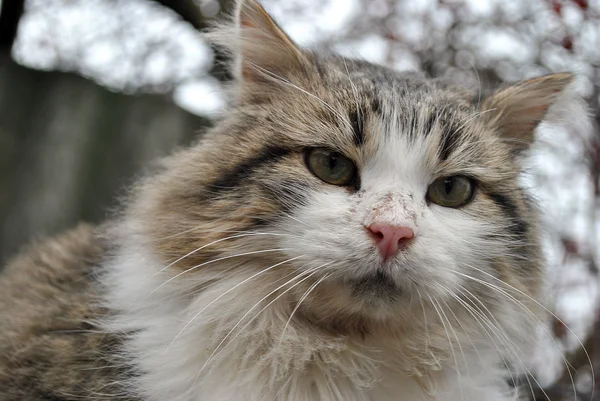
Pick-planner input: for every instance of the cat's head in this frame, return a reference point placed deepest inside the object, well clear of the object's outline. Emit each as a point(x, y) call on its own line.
point(385, 188)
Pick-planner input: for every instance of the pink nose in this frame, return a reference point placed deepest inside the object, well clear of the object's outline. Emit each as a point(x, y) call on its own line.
point(389, 238)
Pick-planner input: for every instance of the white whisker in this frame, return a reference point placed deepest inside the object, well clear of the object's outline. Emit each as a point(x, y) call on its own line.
point(434, 303)
point(308, 274)
point(206, 246)
point(227, 292)
point(527, 311)
point(214, 261)
point(286, 82)
point(310, 289)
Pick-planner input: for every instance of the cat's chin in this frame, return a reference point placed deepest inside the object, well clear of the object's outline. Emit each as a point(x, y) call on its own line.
point(357, 305)
point(378, 287)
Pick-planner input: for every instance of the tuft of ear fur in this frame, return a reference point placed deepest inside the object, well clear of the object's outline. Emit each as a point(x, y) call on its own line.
point(516, 110)
point(263, 52)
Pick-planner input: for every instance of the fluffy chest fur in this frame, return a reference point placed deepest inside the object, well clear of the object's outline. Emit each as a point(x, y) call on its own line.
point(222, 347)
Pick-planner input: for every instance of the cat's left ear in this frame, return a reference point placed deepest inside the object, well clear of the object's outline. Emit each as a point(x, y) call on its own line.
point(264, 52)
point(516, 110)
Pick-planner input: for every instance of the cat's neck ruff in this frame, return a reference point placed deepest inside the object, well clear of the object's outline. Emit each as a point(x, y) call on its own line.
point(209, 347)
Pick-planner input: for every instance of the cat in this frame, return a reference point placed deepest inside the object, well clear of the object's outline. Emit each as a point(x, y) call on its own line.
point(345, 232)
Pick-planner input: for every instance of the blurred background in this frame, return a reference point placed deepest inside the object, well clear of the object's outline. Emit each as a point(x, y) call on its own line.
point(92, 91)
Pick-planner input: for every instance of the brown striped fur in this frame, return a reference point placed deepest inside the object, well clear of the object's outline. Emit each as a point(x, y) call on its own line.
point(50, 348)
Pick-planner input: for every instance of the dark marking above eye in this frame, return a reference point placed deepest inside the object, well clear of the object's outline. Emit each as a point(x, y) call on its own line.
point(233, 177)
point(429, 124)
point(356, 120)
point(414, 126)
point(448, 141)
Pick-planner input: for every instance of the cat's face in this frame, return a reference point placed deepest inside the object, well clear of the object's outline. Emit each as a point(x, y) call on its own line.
point(373, 188)
point(404, 198)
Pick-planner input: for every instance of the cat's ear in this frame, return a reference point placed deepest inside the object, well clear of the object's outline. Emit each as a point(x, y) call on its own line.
point(264, 53)
point(516, 110)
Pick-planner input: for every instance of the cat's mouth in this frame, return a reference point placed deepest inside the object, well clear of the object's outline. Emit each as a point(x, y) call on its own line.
point(378, 285)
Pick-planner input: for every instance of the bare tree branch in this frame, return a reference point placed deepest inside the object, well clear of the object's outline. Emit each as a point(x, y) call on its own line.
point(189, 11)
point(10, 14)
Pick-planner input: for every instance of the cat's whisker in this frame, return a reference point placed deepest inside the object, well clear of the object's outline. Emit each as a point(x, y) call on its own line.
point(176, 234)
point(477, 320)
point(475, 115)
point(251, 232)
point(359, 114)
point(240, 270)
point(308, 274)
point(180, 233)
point(507, 343)
point(437, 309)
point(455, 335)
point(248, 234)
point(478, 81)
point(546, 309)
point(481, 318)
point(239, 234)
point(496, 330)
point(294, 218)
point(214, 261)
point(304, 296)
point(286, 82)
point(532, 315)
point(427, 339)
point(236, 270)
point(513, 348)
point(206, 246)
point(227, 292)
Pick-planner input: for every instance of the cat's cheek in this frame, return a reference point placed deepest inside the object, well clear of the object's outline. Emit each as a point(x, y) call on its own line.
point(450, 246)
point(325, 227)
point(432, 269)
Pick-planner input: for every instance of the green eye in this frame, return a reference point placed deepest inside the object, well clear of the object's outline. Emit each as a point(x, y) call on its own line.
point(455, 191)
point(330, 166)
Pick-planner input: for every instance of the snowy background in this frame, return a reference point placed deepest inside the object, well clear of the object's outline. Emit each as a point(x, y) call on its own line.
point(142, 47)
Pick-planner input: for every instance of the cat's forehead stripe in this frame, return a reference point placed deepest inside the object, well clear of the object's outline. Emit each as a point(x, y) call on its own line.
point(419, 115)
point(357, 122)
point(449, 139)
point(430, 123)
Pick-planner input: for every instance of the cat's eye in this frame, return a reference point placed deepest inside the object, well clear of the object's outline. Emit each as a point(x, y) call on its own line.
point(454, 191)
point(331, 166)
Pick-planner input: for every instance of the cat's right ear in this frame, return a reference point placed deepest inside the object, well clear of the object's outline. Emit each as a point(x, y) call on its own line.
point(517, 109)
point(263, 53)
